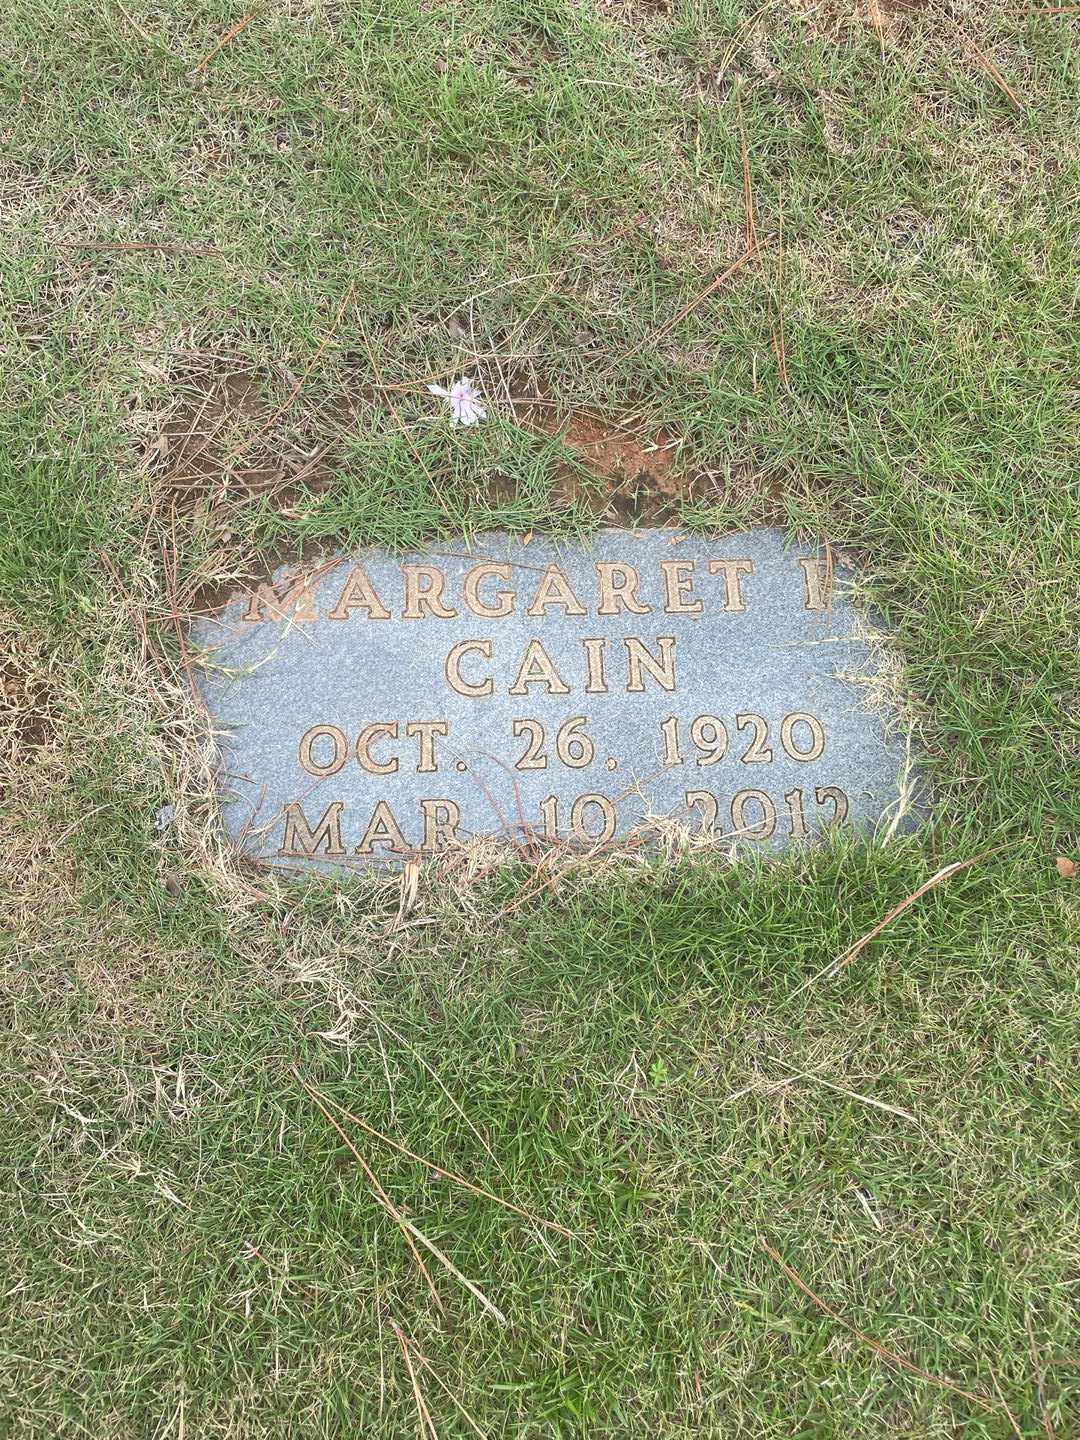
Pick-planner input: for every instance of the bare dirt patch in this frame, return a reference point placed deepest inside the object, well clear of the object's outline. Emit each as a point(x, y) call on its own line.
point(886, 16)
point(893, 8)
point(27, 722)
point(232, 437)
point(633, 10)
point(833, 17)
point(627, 475)
point(221, 443)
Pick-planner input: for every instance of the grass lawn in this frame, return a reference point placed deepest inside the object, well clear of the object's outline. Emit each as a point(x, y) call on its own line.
point(716, 1191)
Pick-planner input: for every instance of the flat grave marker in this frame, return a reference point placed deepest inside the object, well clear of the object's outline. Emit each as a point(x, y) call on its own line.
point(376, 706)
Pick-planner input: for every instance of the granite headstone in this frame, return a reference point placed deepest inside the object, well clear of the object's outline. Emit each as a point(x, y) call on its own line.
point(375, 706)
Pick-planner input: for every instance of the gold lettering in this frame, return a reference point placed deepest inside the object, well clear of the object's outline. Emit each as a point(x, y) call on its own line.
point(594, 650)
point(618, 588)
point(454, 677)
point(427, 730)
point(818, 581)
point(787, 736)
point(297, 598)
point(758, 752)
point(839, 802)
point(424, 599)
point(764, 827)
point(731, 571)
point(382, 830)
point(364, 742)
point(554, 589)
point(679, 584)
point(532, 757)
point(706, 803)
point(536, 669)
point(299, 839)
point(504, 599)
point(341, 750)
point(638, 658)
point(578, 827)
point(441, 819)
point(359, 594)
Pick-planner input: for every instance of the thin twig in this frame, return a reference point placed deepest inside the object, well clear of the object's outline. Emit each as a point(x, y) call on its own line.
point(445, 1260)
point(996, 75)
point(851, 1094)
point(736, 265)
point(1005, 1406)
point(229, 35)
point(447, 1174)
point(137, 27)
point(897, 910)
point(164, 247)
point(879, 1349)
point(447, 1391)
point(668, 325)
point(177, 476)
point(378, 1190)
point(426, 1423)
point(378, 1020)
point(992, 70)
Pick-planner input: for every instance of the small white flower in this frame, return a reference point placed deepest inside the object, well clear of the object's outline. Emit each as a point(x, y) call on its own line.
point(466, 407)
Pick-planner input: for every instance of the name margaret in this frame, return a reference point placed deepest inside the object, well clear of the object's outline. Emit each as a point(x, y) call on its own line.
point(485, 591)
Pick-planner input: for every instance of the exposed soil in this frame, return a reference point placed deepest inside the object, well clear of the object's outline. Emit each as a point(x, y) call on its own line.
point(222, 444)
point(833, 17)
point(885, 16)
point(212, 597)
point(26, 721)
point(629, 476)
point(213, 447)
point(636, 9)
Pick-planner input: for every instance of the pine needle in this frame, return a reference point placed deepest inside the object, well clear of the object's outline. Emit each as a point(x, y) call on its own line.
point(447, 1174)
point(379, 1192)
point(229, 36)
point(488, 1305)
point(846, 958)
point(427, 1425)
point(890, 1356)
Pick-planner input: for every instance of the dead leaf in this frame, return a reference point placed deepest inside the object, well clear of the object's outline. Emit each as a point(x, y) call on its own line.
point(1066, 868)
